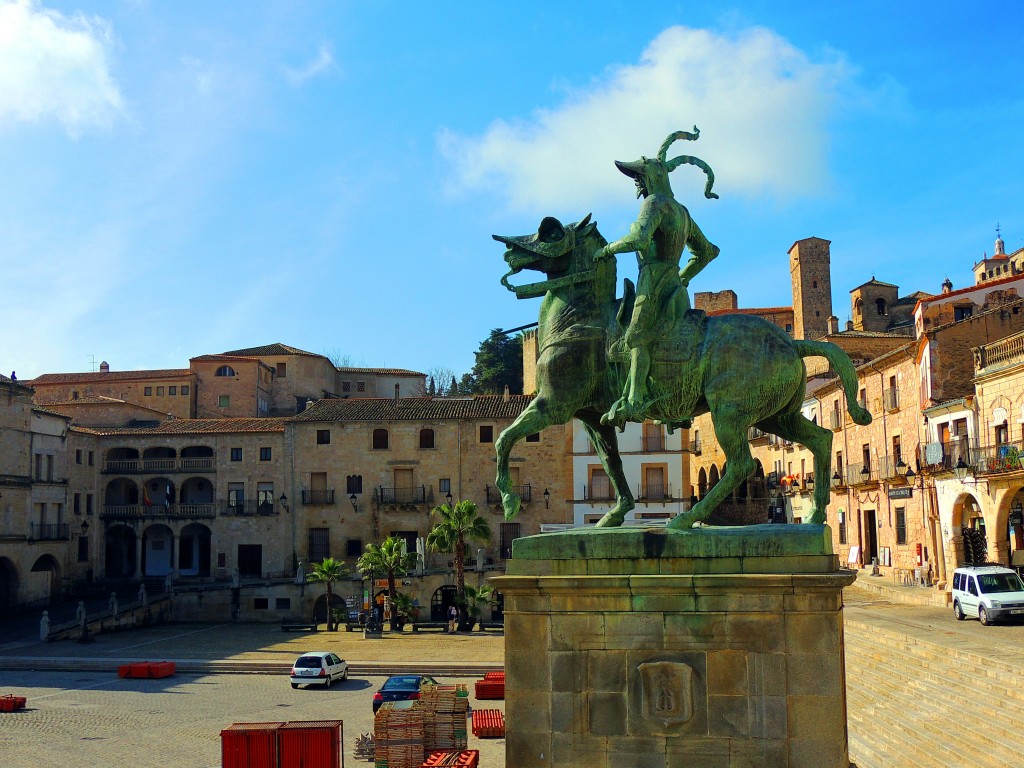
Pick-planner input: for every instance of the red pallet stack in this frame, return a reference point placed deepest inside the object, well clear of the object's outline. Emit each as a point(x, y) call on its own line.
point(304, 743)
point(488, 724)
point(466, 758)
point(146, 669)
point(250, 745)
point(492, 686)
point(11, 703)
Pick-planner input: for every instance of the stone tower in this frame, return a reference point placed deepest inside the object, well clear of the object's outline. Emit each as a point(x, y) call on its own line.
point(811, 273)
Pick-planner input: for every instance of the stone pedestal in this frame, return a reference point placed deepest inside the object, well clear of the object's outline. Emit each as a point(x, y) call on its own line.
point(648, 648)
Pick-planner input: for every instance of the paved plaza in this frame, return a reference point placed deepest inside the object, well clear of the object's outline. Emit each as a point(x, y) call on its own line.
point(81, 714)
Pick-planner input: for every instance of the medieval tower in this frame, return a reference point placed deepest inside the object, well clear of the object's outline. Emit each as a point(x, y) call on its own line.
point(810, 271)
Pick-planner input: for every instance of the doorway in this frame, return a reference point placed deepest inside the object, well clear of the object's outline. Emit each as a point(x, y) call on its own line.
point(870, 536)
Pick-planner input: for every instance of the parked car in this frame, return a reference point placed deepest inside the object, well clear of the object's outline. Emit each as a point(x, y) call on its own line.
point(318, 668)
point(401, 688)
point(989, 592)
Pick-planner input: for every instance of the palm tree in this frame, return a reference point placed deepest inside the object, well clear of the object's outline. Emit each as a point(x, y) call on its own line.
point(328, 571)
point(390, 558)
point(476, 599)
point(458, 523)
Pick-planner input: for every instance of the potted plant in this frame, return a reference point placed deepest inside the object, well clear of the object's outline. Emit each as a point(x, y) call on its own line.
point(473, 603)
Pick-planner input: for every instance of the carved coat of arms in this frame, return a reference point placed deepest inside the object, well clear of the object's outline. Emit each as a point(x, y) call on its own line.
point(667, 691)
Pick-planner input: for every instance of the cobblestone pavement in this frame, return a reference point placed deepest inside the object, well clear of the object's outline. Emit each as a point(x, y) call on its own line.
point(96, 720)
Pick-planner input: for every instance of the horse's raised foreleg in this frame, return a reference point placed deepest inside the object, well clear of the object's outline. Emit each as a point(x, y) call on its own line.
point(818, 440)
point(533, 419)
point(605, 442)
point(731, 430)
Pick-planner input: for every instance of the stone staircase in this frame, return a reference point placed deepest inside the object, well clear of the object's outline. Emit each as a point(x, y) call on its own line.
point(914, 703)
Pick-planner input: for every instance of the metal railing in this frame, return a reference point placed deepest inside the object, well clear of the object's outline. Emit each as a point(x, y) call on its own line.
point(598, 489)
point(695, 447)
point(320, 497)
point(169, 464)
point(525, 493)
point(48, 532)
point(654, 492)
point(998, 459)
point(943, 457)
point(414, 495)
point(753, 433)
point(861, 474)
point(835, 421)
point(249, 507)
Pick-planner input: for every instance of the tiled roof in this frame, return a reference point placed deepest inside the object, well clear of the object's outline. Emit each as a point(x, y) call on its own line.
point(14, 383)
point(750, 311)
point(977, 287)
point(382, 371)
point(873, 281)
point(199, 427)
point(416, 408)
point(270, 349)
point(869, 335)
point(104, 376)
point(222, 358)
point(98, 400)
point(37, 409)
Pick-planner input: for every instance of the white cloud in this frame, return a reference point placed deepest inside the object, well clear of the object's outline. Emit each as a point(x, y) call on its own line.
point(54, 66)
point(762, 106)
point(323, 60)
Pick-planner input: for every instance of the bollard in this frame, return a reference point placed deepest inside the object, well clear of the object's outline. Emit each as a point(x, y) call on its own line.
point(44, 626)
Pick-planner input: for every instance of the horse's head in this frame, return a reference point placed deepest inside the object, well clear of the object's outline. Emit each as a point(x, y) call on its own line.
point(555, 249)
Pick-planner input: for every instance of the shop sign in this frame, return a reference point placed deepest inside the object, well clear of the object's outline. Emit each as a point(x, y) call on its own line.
point(901, 493)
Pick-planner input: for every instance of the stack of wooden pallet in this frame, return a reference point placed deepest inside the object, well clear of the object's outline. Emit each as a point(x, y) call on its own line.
point(488, 724)
point(398, 735)
point(444, 717)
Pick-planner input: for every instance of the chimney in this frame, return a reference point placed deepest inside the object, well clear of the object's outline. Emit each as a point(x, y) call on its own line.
point(104, 367)
point(396, 393)
point(506, 396)
point(833, 325)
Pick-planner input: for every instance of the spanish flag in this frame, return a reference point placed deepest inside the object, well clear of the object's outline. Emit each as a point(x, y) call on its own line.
point(145, 497)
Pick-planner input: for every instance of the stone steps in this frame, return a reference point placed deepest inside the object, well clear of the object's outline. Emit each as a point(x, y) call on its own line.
point(914, 703)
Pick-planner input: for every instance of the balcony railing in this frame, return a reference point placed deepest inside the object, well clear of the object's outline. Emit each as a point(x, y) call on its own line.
point(861, 474)
point(890, 468)
point(654, 492)
point(136, 511)
point(943, 457)
point(1007, 350)
point(999, 459)
point(695, 447)
point(318, 498)
point(654, 443)
point(414, 495)
point(835, 421)
point(756, 434)
point(598, 490)
point(525, 493)
point(249, 508)
point(48, 532)
point(891, 399)
point(181, 464)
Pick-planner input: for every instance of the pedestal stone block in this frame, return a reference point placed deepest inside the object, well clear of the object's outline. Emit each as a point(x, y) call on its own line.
point(652, 648)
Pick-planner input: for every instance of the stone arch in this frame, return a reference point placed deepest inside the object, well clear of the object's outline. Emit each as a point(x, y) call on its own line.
point(157, 550)
point(443, 597)
point(8, 587)
point(158, 492)
point(159, 458)
point(121, 459)
point(194, 546)
point(702, 483)
point(713, 476)
point(121, 492)
point(196, 457)
point(119, 551)
point(320, 606)
point(197, 490)
point(966, 510)
point(49, 585)
point(1007, 534)
point(881, 307)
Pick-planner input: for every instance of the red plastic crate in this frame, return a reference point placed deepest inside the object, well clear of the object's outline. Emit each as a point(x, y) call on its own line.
point(249, 745)
point(305, 743)
point(490, 689)
point(125, 670)
point(12, 703)
point(139, 670)
point(159, 669)
point(488, 724)
point(499, 675)
point(467, 758)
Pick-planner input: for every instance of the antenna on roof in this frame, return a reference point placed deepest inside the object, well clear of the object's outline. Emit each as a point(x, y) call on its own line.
point(92, 362)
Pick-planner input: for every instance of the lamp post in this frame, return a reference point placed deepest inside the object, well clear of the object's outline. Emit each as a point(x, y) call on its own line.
point(961, 469)
point(448, 498)
point(837, 480)
point(547, 498)
point(353, 500)
point(284, 502)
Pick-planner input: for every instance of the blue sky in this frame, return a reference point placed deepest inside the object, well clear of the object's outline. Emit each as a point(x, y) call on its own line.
point(190, 177)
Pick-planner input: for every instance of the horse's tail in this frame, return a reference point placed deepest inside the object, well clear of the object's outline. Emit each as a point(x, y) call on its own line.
point(842, 365)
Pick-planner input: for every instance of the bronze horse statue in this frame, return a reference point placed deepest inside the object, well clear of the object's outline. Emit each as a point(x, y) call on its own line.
point(744, 370)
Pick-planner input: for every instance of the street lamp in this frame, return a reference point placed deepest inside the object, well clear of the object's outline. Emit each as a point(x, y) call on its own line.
point(837, 480)
point(547, 497)
point(85, 527)
point(353, 500)
point(284, 502)
point(961, 469)
point(901, 468)
point(448, 498)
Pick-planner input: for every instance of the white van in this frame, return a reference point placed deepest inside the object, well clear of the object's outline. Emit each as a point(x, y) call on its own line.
point(990, 592)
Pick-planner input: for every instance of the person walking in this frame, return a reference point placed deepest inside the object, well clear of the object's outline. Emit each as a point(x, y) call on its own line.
point(453, 619)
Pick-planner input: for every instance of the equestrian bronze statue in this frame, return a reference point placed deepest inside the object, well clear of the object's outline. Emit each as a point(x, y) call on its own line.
point(745, 371)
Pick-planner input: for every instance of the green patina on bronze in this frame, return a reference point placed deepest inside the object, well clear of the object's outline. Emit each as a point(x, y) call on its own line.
point(606, 361)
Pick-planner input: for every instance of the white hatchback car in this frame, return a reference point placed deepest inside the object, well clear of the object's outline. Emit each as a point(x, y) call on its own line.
point(989, 592)
point(318, 668)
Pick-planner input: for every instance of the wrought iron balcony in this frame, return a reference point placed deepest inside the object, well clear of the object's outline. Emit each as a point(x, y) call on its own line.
point(654, 443)
point(394, 496)
point(754, 434)
point(999, 459)
point(861, 474)
point(48, 532)
point(525, 493)
point(598, 490)
point(654, 492)
point(318, 498)
point(943, 457)
point(249, 508)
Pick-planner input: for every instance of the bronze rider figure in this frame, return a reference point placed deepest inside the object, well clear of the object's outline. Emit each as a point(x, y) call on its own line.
point(658, 236)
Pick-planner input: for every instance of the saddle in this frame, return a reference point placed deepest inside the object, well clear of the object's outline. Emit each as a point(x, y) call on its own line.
point(676, 338)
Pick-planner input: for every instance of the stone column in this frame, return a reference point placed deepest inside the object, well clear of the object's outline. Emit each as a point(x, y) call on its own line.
point(655, 648)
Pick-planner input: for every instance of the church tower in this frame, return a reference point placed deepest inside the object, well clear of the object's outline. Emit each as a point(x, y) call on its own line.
point(810, 268)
